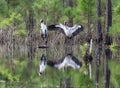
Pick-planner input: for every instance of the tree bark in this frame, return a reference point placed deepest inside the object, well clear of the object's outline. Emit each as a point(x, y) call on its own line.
point(108, 22)
point(97, 63)
point(106, 70)
point(99, 42)
point(88, 39)
point(12, 51)
point(30, 44)
point(30, 27)
point(108, 14)
point(108, 41)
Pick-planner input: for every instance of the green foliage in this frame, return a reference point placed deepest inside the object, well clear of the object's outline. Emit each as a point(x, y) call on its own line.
point(117, 9)
point(21, 33)
point(2, 84)
point(112, 47)
point(87, 6)
point(3, 8)
point(63, 18)
point(50, 10)
point(5, 74)
point(69, 12)
point(78, 79)
point(115, 74)
point(114, 30)
point(83, 9)
point(83, 48)
point(13, 18)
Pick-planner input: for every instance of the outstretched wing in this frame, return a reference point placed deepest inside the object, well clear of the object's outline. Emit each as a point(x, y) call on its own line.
point(76, 60)
point(56, 27)
point(53, 63)
point(52, 27)
point(50, 63)
point(76, 29)
point(60, 63)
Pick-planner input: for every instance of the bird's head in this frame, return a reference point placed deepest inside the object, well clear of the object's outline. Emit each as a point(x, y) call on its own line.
point(40, 73)
point(81, 27)
point(41, 21)
point(43, 57)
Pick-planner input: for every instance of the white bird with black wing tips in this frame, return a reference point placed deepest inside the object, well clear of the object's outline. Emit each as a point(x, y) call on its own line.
point(69, 32)
point(42, 64)
point(44, 30)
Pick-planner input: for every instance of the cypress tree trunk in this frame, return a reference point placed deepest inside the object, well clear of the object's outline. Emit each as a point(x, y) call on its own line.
point(30, 44)
point(88, 25)
point(106, 69)
point(108, 41)
point(108, 14)
point(99, 42)
point(108, 22)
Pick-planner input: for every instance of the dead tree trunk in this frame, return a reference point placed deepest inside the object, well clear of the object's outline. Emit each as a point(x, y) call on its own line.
point(89, 36)
point(30, 44)
point(108, 41)
point(108, 15)
point(98, 42)
point(30, 37)
point(106, 69)
point(108, 22)
point(88, 54)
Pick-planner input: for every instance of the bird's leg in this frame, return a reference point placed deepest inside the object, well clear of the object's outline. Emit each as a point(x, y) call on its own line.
point(45, 41)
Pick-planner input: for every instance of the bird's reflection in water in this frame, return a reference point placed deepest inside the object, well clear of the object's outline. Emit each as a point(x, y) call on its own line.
point(68, 61)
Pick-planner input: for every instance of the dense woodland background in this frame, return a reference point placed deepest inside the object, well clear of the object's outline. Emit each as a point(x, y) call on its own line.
point(20, 37)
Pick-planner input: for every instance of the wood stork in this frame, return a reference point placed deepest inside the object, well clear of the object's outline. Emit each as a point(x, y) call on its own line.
point(42, 64)
point(67, 61)
point(69, 32)
point(44, 30)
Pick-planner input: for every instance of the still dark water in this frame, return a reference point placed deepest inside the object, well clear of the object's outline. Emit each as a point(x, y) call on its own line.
point(25, 72)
